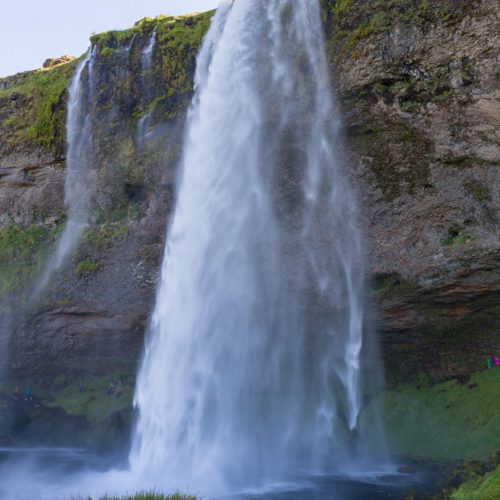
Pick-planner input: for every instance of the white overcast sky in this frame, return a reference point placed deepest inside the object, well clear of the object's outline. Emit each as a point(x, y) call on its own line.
point(34, 30)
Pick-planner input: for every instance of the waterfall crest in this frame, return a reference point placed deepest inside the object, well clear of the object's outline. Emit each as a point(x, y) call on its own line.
point(253, 368)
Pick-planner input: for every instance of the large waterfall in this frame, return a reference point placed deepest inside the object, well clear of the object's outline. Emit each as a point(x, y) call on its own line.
point(253, 368)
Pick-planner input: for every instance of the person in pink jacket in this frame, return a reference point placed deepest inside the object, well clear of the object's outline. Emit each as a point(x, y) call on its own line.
point(496, 360)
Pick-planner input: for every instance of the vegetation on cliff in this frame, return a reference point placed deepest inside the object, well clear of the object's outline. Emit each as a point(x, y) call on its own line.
point(178, 40)
point(22, 253)
point(34, 105)
point(96, 400)
point(453, 420)
point(479, 487)
point(354, 20)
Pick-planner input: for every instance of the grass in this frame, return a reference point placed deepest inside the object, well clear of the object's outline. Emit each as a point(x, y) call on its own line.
point(457, 237)
point(447, 421)
point(143, 495)
point(354, 20)
point(22, 254)
point(36, 100)
point(400, 155)
point(41, 118)
point(486, 487)
point(105, 236)
point(86, 268)
point(95, 403)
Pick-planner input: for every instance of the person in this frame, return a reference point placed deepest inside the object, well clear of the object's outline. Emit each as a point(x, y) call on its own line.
point(496, 359)
point(491, 363)
point(81, 386)
point(16, 393)
point(28, 393)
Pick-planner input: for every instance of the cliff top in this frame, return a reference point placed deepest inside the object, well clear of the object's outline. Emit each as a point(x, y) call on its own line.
point(33, 102)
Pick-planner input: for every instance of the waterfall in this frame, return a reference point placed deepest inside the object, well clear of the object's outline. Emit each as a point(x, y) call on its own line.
point(147, 90)
point(252, 368)
point(147, 53)
point(78, 165)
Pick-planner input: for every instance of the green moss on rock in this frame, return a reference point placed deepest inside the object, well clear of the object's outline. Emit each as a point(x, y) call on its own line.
point(397, 155)
point(144, 495)
point(86, 268)
point(449, 421)
point(478, 190)
point(22, 253)
point(350, 22)
point(37, 110)
point(456, 237)
point(105, 236)
point(97, 402)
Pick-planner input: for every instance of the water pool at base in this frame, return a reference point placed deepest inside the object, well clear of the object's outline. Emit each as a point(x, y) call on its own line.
point(69, 473)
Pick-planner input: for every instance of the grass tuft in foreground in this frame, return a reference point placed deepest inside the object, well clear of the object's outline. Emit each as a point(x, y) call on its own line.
point(143, 495)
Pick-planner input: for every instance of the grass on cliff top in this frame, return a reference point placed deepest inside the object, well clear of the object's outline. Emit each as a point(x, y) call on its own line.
point(180, 29)
point(486, 487)
point(40, 116)
point(448, 421)
point(95, 403)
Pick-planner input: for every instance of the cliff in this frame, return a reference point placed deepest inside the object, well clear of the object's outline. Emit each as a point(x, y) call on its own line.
point(417, 82)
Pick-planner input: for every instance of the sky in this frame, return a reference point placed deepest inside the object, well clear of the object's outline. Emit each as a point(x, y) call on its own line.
point(32, 31)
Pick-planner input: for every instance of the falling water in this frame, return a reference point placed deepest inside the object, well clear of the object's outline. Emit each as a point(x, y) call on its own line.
point(78, 165)
point(146, 89)
point(252, 367)
point(147, 54)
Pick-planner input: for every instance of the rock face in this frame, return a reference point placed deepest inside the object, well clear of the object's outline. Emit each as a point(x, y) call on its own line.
point(418, 89)
point(421, 100)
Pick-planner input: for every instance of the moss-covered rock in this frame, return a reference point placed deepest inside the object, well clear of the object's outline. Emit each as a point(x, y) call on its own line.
point(86, 411)
point(398, 156)
point(34, 107)
point(480, 487)
point(23, 251)
point(352, 21)
point(453, 420)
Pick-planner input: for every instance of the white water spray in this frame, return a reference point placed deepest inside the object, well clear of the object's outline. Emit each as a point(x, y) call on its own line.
point(252, 367)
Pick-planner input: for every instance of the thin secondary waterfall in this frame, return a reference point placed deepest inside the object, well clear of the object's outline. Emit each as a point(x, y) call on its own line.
point(78, 165)
point(252, 367)
point(146, 91)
